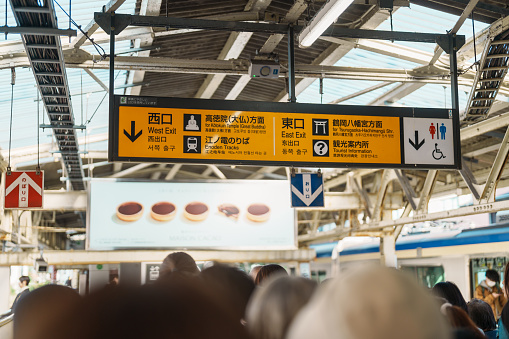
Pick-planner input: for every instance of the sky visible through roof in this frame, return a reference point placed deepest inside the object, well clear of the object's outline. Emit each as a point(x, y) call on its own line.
point(413, 19)
point(416, 19)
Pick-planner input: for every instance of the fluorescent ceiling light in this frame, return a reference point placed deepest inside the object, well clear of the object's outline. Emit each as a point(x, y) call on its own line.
point(322, 20)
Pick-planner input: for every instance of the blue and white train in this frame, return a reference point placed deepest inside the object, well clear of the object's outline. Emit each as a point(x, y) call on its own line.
point(461, 256)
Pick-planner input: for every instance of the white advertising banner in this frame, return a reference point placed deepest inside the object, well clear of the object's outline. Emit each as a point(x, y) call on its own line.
point(212, 215)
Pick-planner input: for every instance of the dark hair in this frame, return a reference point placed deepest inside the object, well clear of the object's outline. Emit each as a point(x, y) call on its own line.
point(506, 279)
point(175, 308)
point(269, 271)
point(482, 314)
point(34, 319)
point(24, 278)
point(459, 319)
point(449, 291)
point(493, 275)
point(179, 261)
point(233, 286)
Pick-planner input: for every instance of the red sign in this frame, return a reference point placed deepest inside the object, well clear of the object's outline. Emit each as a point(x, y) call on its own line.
point(24, 189)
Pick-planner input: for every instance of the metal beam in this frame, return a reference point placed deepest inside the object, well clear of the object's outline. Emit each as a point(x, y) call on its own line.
point(359, 93)
point(92, 26)
point(93, 76)
point(150, 8)
point(340, 233)
point(124, 256)
point(269, 46)
point(407, 188)
point(466, 13)
point(171, 174)
point(232, 49)
point(427, 188)
point(38, 31)
point(488, 193)
point(65, 201)
point(130, 170)
point(395, 94)
point(124, 20)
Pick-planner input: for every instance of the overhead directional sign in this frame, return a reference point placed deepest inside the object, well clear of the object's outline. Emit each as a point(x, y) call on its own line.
point(149, 129)
point(24, 190)
point(307, 190)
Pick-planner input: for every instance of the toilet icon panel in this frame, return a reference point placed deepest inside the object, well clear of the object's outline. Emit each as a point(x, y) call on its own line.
point(428, 141)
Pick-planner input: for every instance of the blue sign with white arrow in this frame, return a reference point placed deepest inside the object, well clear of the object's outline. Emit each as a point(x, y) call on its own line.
point(307, 190)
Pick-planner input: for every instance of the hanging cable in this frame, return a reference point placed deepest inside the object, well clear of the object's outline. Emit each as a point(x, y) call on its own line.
point(38, 168)
point(13, 81)
point(392, 28)
point(321, 90)
point(473, 37)
point(81, 96)
point(97, 47)
point(100, 103)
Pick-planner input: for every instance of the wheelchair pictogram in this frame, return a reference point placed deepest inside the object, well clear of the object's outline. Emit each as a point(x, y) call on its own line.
point(437, 153)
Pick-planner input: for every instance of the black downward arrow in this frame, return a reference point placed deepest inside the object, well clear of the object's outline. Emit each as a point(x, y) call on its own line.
point(133, 136)
point(416, 144)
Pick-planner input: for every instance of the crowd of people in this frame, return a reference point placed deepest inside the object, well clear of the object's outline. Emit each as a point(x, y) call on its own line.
point(225, 302)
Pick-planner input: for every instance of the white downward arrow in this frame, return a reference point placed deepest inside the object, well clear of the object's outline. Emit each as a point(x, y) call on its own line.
point(307, 196)
point(23, 181)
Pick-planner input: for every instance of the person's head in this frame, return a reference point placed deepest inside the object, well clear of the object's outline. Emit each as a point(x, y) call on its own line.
point(271, 270)
point(459, 320)
point(179, 261)
point(24, 281)
point(492, 278)
point(254, 272)
point(233, 286)
point(274, 305)
point(481, 314)
point(371, 303)
point(173, 308)
point(37, 312)
point(450, 292)
point(506, 279)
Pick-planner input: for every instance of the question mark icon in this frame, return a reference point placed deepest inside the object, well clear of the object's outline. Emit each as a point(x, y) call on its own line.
point(321, 147)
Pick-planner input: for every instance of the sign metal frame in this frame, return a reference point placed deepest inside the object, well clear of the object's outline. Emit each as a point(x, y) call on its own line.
point(258, 106)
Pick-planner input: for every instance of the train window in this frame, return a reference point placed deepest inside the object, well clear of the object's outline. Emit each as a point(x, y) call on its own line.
point(479, 266)
point(426, 275)
point(319, 276)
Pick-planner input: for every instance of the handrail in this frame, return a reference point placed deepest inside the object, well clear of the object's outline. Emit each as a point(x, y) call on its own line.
point(6, 320)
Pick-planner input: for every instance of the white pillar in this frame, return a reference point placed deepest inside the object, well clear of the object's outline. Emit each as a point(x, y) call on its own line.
point(388, 251)
point(5, 290)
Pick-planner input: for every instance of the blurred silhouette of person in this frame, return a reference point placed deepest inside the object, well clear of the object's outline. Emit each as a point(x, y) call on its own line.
point(461, 323)
point(371, 303)
point(113, 280)
point(275, 304)
point(24, 281)
point(179, 261)
point(271, 270)
point(68, 282)
point(254, 271)
point(503, 321)
point(178, 306)
point(450, 292)
point(489, 291)
point(233, 286)
point(41, 309)
point(482, 315)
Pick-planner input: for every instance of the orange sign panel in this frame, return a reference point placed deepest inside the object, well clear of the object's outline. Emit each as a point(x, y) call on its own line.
point(250, 136)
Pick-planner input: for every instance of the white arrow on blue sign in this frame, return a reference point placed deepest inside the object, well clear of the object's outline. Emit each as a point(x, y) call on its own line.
point(307, 190)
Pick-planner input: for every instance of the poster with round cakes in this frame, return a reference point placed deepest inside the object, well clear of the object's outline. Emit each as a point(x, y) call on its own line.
point(234, 214)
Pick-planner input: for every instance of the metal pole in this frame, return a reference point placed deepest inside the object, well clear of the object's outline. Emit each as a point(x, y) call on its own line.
point(453, 64)
point(291, 65)
point(112, 80)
